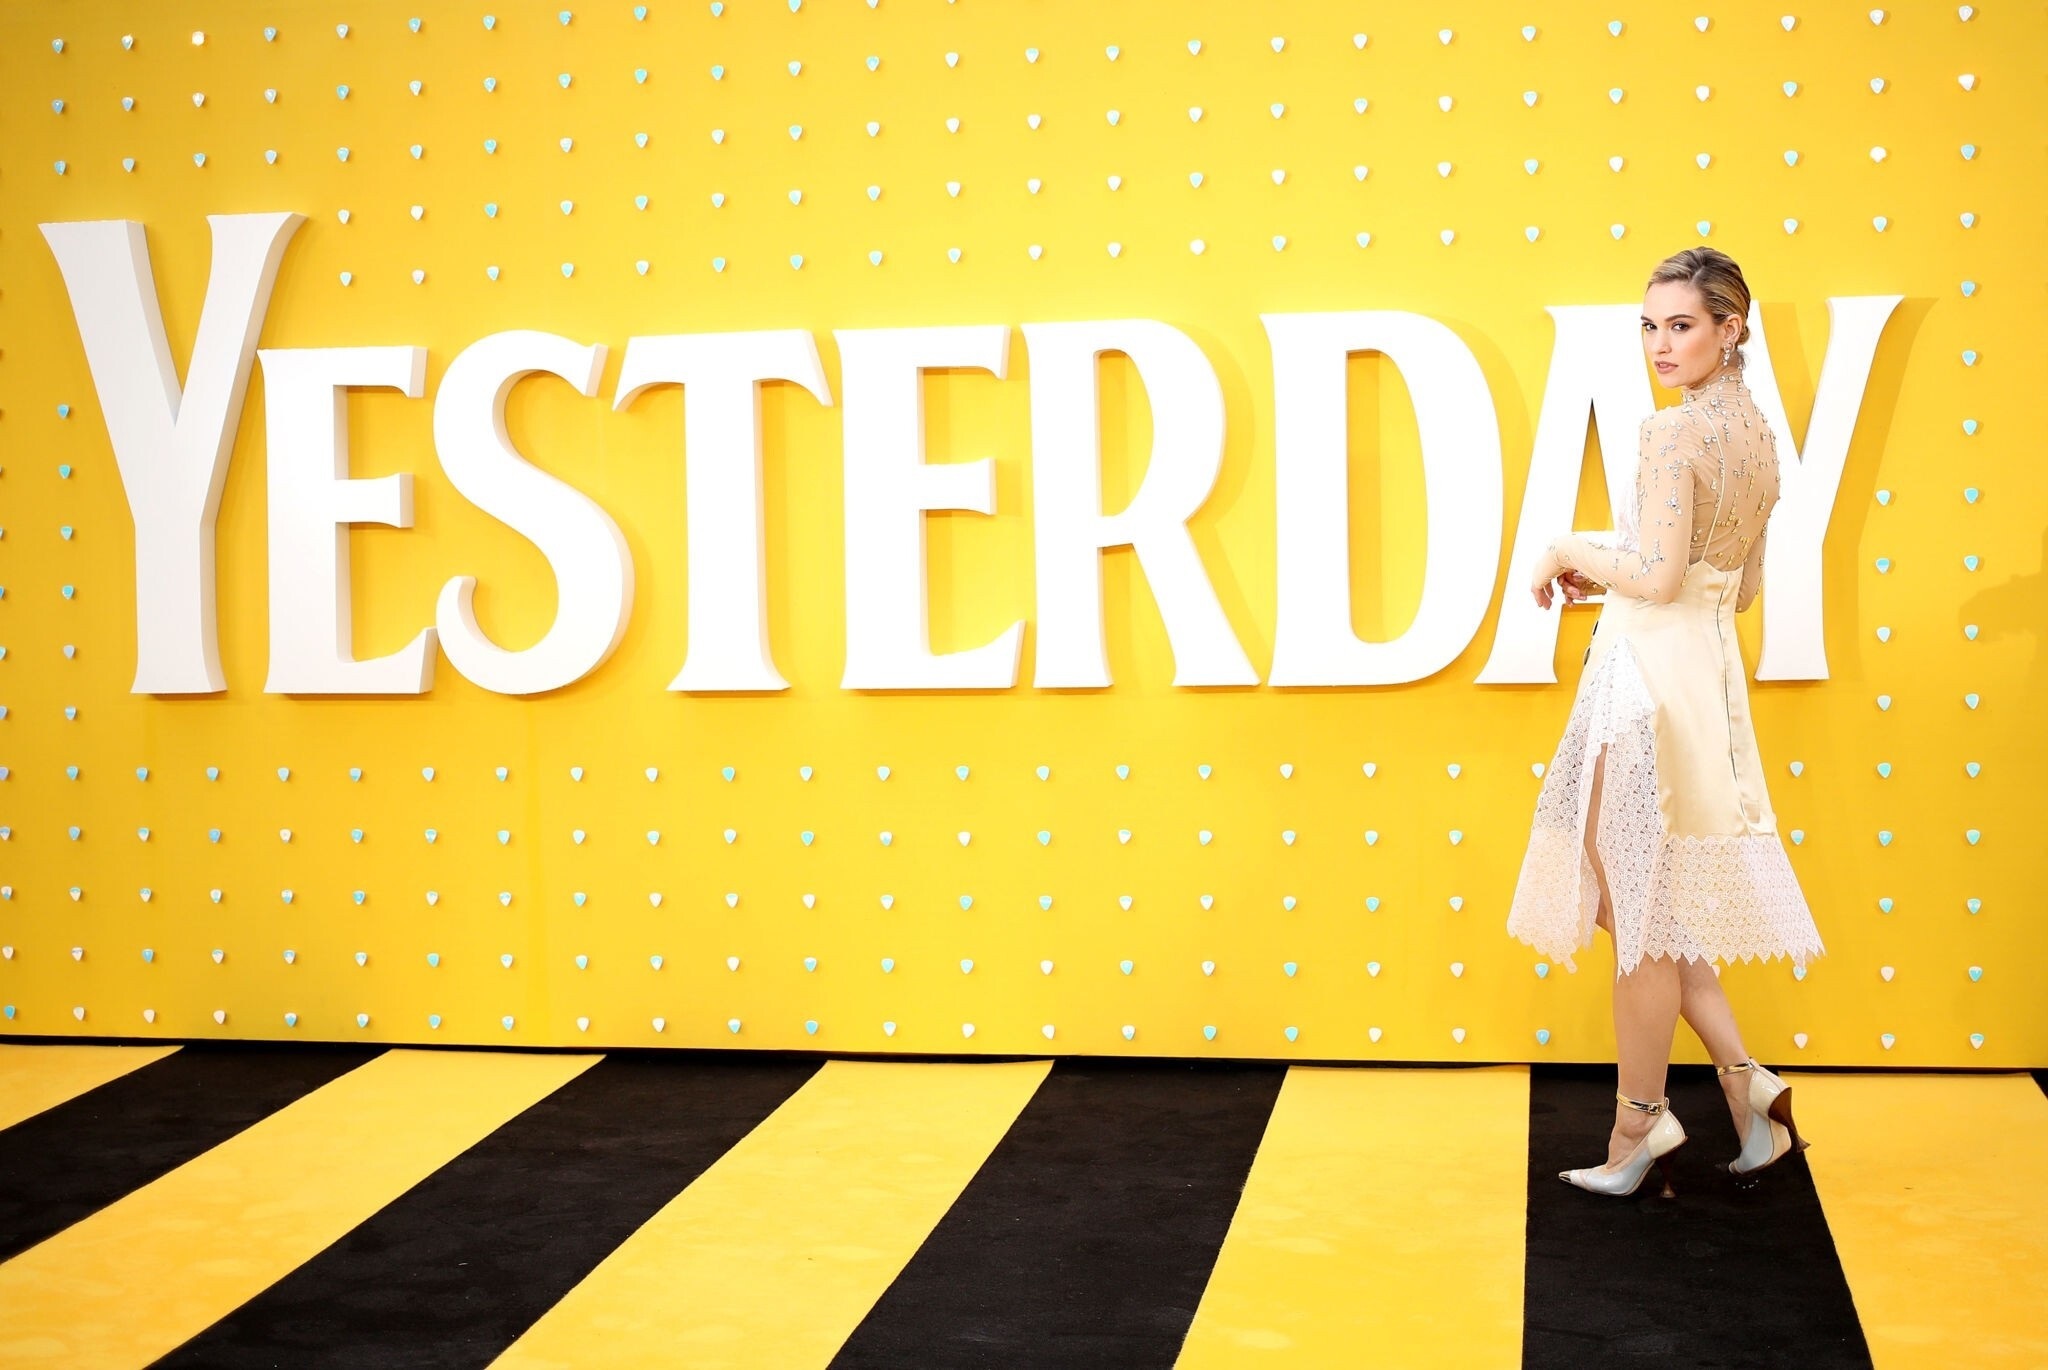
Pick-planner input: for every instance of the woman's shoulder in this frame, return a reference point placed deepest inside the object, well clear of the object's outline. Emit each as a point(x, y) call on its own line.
point(1675, 427)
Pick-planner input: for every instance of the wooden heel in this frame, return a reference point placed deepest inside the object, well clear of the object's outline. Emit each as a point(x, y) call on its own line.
point(1781, 1113)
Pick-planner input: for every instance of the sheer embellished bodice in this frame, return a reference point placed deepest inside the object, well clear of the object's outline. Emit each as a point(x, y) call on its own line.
point(1706, 482)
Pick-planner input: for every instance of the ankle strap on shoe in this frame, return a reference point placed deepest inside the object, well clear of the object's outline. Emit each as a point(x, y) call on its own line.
point(1657, 1106)
point(1730, 1070)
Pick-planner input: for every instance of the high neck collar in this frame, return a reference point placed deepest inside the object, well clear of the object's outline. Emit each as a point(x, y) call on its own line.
point(1727, 378)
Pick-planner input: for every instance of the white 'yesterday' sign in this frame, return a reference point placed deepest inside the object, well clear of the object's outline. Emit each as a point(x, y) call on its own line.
point(172, 443)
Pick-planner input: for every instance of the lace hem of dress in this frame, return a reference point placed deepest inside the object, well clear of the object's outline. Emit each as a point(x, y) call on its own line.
point(1704, 898)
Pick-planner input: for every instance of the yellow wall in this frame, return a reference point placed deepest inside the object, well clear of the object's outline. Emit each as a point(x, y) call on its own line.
point(1491, 286)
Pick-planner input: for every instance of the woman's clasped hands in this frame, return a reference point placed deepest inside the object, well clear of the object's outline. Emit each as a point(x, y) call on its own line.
point(1575, 584)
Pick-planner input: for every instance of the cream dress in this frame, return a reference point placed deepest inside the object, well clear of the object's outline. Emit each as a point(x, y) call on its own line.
point(1686, 836)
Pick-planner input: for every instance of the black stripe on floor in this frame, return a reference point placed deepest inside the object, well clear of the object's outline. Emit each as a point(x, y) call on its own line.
point(72, 1160)
point(1716, 1277)
point(456, 1269)
point(1087, 1237)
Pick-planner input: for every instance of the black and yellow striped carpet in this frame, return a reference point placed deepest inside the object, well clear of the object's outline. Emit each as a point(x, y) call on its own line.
point(244, 1205)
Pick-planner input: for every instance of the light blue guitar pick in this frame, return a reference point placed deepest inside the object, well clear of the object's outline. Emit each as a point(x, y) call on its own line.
point(1126, 966)
point(1372, 903)
point(1974, 905)
point(1970, 561)
point(434, 1020)
point(507, 1021)
point(434, 959)
point(807, 836)
point(810, 963)
point(1543, 970)
point(1976, 973)
point(1290, 968)
point(1884, 768)
point(148, 954)
point(966, 902)
point(1971, 699)
point(1209, 1033)
point(1044, 901)
point(888, 964)
point(1973, 835)
point(1884, 837)
point(1543, 1037)
point(582, 962)
point(359, 896)
point(1123, 772)
point(1045, 772)
point(811, 1026)
point(1972, 768)
point(1292, 1033)
point(1884, 903)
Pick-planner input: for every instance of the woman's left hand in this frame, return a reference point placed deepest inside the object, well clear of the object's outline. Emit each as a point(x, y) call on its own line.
point(1547, 571)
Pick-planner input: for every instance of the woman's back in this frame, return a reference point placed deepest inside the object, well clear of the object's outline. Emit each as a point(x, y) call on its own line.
point(1714, 424)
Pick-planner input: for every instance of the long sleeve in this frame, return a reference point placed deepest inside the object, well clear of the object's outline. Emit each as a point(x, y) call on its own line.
point(1752, 573)
point(1664, 480)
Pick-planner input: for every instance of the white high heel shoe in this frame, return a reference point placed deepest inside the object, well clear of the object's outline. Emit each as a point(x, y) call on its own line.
point(1664, 1137)
point(1772, 1134)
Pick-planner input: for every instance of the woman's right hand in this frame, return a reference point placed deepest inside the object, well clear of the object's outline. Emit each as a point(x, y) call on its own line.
point(1577, 587)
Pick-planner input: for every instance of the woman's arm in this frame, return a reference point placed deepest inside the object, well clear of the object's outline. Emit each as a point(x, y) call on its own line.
point(1752, 573)
point(1664, 483)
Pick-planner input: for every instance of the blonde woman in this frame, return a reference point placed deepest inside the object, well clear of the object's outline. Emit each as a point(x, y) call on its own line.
point(1653, 821)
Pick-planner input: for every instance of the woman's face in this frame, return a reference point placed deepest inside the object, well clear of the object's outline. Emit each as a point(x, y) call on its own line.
point(1679, 336)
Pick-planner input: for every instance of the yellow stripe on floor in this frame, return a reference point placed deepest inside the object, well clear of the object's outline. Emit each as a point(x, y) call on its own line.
point(1936, 1190)
point(1383, 1224)
point(148, 1272)
point(775, 1254)
point(35, 1078)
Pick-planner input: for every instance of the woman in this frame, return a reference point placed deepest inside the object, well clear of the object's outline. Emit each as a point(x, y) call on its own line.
point(1653, 821)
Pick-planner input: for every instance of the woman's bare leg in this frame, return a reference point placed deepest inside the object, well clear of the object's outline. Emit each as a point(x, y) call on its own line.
point(1646, 1002)
point(1706, 1009)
